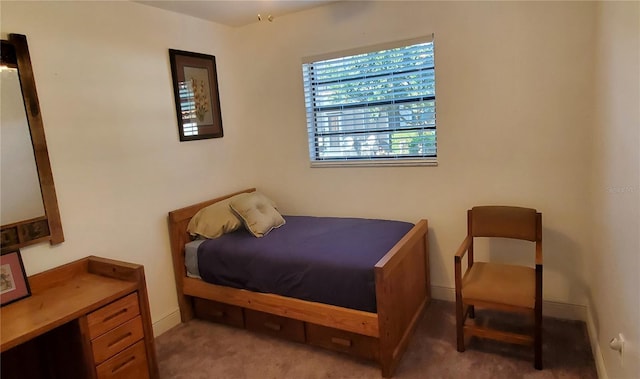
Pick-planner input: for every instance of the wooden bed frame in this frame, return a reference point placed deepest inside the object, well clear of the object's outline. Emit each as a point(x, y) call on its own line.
point(402, 294)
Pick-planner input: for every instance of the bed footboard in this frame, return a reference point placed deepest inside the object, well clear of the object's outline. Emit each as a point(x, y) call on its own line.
point(402, 293)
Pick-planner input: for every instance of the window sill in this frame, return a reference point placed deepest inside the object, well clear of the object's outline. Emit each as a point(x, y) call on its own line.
point(375, 163)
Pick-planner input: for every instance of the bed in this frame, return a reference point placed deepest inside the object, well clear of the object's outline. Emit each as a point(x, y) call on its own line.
point(380, 333)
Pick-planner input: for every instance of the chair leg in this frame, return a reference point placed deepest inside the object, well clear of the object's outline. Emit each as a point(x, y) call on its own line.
point(538, 340)
point(538, 313)
point(460, 325)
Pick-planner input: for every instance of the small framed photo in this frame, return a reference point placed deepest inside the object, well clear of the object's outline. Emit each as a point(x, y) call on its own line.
point(195, 89)
point(13, 279)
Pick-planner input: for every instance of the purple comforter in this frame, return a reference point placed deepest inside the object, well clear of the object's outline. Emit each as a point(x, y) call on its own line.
point(323, 259)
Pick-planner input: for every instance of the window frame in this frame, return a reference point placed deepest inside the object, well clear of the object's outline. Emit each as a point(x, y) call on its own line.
point(422, 159)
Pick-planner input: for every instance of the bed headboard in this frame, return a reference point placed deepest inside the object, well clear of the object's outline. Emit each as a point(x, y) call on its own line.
point(178, 236)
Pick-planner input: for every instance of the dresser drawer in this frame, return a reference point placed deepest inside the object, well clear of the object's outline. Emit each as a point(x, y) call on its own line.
point(117, 339)
point(340, 340)
point(274, 325)
point(129, 364)
point(218, 312)
point(112, 315)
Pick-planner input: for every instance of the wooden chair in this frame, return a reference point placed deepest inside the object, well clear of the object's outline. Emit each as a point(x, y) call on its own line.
point(497, 286)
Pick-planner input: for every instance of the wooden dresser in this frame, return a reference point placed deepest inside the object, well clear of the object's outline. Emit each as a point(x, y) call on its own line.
point(86, 319)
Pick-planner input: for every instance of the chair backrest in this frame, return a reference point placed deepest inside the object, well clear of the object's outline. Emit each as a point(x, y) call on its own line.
point(505, 221)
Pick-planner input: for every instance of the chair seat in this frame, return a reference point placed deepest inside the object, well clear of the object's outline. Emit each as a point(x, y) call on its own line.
point(500, 283)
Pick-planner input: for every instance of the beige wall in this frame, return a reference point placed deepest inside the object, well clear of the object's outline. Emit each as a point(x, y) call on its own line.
point(104, 82)
point(514, 83)
point(515, 111)
point(615, 269)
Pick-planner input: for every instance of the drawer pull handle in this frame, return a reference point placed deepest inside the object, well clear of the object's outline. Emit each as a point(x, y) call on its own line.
point(217, 313)
point(341, 341)
point(272, 326)
point(121, 365)
point(120, 339)
point(114, 315)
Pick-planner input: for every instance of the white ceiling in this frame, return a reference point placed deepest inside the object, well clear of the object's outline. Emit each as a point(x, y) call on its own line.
point(235, 12)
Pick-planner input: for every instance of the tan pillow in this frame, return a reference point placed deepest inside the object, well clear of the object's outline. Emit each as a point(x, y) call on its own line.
point(214, 220)
point(258, 213)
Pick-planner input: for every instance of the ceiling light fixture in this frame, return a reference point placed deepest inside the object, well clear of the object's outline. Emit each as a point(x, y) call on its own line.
point(269, 17)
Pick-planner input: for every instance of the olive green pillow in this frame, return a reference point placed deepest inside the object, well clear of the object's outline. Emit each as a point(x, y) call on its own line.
point(214, 220)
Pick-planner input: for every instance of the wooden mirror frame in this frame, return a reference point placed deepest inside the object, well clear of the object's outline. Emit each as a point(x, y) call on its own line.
point(49, 226)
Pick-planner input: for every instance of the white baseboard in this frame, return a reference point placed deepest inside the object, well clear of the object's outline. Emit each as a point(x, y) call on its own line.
point(549, 308)
point(595, 346)
point(167, 322)
point(443, 293)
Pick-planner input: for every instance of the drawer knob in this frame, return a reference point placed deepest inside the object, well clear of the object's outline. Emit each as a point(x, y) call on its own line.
point(272, 326)
point(217, 313)
point(341, 341)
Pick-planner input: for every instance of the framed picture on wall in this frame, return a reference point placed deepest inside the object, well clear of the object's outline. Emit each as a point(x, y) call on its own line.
point(195, 89)
point(13, 279)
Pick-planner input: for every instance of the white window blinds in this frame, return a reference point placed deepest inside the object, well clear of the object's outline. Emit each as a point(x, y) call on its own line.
point(376, 107)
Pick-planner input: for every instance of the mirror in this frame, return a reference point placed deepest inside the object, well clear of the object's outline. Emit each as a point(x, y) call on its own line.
point(29, 208)
point(20, 190)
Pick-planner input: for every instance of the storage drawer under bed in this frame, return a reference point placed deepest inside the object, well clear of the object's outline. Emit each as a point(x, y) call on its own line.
point(218, 312)
point(279, 326)
point(342, 341)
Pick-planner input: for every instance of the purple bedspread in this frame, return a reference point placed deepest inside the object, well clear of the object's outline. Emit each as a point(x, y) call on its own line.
point(323, 259)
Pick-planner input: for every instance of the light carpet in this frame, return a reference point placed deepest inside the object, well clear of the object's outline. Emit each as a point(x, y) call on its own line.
point(201, 349)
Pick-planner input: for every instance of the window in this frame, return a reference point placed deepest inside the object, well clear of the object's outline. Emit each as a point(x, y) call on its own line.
point(188, 108)
point(376, 107)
